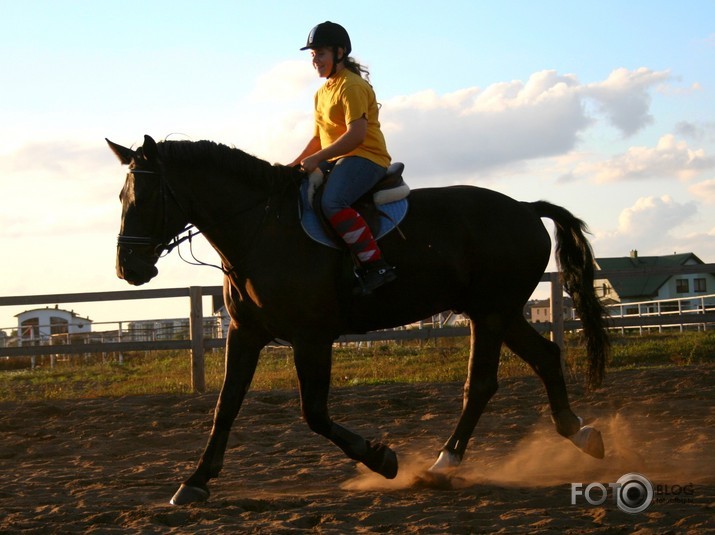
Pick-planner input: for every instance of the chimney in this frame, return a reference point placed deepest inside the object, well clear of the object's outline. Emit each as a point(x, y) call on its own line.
point(634, 253)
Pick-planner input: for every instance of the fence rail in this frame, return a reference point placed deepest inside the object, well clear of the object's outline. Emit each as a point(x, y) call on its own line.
point(198, 343)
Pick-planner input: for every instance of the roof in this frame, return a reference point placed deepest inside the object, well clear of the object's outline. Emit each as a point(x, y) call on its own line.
point(647, 285)
point(72, 313)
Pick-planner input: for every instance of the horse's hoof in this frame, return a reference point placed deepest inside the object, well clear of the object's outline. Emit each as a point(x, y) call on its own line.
point(445, 462)
point(389, 466)
point(188, 494)
point(588, 439)
point(383, 461)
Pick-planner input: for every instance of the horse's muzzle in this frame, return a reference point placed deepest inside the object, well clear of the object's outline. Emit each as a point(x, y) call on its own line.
point(134, 268)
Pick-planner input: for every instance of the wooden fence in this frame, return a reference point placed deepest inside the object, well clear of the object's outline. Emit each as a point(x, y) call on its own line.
point(197, 343)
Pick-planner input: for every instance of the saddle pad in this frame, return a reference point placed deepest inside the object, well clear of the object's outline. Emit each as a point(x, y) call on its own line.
point(394, 213)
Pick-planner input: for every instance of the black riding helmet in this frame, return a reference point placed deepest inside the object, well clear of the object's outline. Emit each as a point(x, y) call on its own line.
point(329, 34)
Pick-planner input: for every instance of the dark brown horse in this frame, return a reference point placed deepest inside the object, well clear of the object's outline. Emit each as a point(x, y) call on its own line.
point(462, 248)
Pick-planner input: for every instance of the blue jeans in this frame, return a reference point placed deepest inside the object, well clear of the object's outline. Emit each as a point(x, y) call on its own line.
point(351, 177)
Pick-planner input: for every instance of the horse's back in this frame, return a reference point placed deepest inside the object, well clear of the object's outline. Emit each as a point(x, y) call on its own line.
point(485, 217)
point(461, 248)
point(454, 198)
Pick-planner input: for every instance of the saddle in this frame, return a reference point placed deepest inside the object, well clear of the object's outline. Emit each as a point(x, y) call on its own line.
point(389, 188)
point(382, 207)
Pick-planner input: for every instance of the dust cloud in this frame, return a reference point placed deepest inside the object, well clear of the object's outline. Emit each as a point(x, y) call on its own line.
point(545, 459)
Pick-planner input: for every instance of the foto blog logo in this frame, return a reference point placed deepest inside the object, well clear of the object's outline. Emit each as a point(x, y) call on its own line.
point(633, 493)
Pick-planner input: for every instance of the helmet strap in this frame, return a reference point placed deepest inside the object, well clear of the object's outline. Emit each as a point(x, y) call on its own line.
point(335, 61)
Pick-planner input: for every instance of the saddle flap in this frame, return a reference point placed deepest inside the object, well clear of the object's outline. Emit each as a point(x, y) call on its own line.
point(381, 221)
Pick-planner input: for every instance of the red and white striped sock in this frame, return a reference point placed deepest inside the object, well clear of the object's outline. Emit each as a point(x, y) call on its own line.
point(355, 232)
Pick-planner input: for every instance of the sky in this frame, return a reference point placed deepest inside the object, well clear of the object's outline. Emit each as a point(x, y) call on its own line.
point(607, 108)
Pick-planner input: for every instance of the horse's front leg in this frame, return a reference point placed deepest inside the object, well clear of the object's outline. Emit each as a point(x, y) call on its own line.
point(313, 363)
point(243, 346)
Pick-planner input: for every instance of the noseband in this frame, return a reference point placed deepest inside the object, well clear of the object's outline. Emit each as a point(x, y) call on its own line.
point(164, 244)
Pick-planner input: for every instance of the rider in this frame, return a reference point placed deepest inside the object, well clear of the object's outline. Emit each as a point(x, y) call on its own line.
point(348, 142)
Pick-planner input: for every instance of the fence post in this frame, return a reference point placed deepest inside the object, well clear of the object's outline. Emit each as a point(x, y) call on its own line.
point(196, 328)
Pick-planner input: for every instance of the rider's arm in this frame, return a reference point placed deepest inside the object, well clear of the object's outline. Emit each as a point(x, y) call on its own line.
point(312, 147)
point(353, 137)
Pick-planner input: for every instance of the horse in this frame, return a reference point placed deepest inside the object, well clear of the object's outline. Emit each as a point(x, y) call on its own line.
point(460, 248)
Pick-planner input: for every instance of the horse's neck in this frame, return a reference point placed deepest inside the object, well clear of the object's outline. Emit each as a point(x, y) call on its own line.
point(232, 212)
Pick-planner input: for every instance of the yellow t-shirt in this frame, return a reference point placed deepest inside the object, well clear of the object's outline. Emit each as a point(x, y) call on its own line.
point(342, 99)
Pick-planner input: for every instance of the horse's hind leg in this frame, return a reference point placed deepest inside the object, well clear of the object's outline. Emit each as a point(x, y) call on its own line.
point(481, 385)
point(243, 348)
point(313, 363)
point(545, 359)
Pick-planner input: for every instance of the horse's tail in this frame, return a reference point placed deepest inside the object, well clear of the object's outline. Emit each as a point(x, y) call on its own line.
point(575, 258)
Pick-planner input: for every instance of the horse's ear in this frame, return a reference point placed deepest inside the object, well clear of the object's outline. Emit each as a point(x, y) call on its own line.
point(149, 148)
point(124, 154)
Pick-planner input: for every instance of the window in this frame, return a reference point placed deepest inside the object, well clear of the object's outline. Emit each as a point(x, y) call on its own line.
point(30, 329)
point(682, 286)
point(58, 325)
point(605, 290)
point(699, 285)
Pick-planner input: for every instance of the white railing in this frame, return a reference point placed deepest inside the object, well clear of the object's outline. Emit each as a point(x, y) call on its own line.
point(662, 308)
point(109, 331)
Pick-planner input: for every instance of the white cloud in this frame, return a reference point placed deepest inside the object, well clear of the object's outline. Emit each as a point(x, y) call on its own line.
point(700, 243)
point(508, 123)
point(669, 158)
point(289, 80)
point(624, 97)
point(476, 130)
point(689, 130)
point(704, 191)
point(650, 225)
point(654, 214)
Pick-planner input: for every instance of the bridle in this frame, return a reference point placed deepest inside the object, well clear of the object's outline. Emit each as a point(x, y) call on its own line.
point(164, 244)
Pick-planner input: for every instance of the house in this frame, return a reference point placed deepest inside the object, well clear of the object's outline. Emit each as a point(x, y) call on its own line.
point(539, 310)
point(167, 329)
point(39, 325)
point(649, 287)
point(164, 329)
point(448, 318)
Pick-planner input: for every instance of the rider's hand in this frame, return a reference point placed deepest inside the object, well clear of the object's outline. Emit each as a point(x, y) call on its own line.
point(310, 164)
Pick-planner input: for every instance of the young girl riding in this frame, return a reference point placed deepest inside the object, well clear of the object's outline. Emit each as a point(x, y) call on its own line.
point(348, 143)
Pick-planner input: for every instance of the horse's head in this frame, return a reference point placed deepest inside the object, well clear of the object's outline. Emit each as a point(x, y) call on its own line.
point(150, 214)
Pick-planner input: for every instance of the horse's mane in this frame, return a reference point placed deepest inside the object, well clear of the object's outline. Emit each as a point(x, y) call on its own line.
point(216, 156)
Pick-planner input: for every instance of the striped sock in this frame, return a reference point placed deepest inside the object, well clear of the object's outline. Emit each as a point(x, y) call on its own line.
point(355, 232)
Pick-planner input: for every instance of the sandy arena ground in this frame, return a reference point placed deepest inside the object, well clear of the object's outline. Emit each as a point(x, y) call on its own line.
point(111, 465)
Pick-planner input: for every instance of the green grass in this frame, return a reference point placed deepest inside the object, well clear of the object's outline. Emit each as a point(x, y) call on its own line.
point(440, 360)
point(666, 349)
